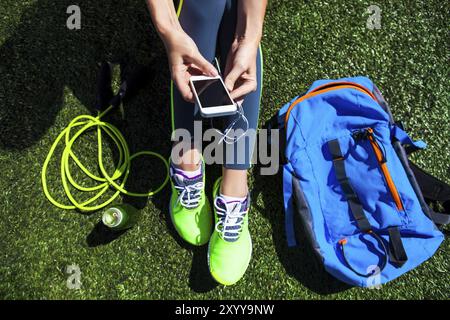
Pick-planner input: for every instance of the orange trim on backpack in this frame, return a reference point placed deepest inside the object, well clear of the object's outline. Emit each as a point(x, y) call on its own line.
point(348, 83)
point(385, 171)
point(326, 88)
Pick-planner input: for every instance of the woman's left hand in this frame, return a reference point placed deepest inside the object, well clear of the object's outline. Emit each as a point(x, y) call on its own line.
point(240, 70)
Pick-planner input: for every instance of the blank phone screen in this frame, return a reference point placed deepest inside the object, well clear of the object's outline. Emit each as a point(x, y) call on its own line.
point(211, 93)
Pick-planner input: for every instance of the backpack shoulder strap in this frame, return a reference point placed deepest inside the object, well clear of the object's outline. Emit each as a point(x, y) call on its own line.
point(434, 191)
point(276, 123)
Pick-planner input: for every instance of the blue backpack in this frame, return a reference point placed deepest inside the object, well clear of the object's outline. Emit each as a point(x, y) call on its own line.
point(347, 179)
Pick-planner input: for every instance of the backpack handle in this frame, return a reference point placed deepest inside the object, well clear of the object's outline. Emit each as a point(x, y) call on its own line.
point(384, 260)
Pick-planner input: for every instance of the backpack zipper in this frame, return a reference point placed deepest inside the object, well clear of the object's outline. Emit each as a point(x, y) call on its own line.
point(381, 158)
point(326, 88)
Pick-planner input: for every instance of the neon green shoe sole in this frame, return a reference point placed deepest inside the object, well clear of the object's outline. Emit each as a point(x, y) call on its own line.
point(228, 261)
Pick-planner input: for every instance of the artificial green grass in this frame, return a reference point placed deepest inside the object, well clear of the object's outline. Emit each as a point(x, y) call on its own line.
point(48, 75)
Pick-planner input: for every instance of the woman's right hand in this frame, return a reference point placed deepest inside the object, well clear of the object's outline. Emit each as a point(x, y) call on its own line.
point(185, 60)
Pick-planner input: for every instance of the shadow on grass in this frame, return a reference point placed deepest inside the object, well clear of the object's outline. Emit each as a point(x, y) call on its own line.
point(299, 262)
point(42, 57)
point(102, 235)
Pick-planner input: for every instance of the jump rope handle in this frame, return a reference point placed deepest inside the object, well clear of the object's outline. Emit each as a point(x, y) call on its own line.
point(104, 88)
point(132, 82)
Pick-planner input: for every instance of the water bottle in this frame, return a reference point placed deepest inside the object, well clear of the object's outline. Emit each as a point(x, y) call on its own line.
point(120, 217)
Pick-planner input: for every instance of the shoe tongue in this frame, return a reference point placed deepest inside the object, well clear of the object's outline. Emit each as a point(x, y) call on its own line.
point(233, 206)
point(233, 217)
point(180, 179)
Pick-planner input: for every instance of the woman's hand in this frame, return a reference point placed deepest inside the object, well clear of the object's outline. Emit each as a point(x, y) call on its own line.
point(240, 70)
point(185, 60)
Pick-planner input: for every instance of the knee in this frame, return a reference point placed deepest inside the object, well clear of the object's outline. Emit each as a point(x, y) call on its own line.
point(185, 156)
point(202, 12)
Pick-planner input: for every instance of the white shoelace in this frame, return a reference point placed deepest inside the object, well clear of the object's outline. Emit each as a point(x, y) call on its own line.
point(192, 193)
point(230, 221)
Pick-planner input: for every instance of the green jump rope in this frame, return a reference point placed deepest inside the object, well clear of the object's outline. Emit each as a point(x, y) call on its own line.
point(84, 123)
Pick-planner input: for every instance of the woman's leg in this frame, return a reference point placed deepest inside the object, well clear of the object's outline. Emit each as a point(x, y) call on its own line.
point(234, 181)
point(189, 208)
point(230, 247)
point(200, 19)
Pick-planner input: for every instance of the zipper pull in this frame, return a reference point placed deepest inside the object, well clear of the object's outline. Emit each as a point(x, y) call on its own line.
point(379, 146)
point(360, 134)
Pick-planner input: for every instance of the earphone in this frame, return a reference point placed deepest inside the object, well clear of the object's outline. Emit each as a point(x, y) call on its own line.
point(240, 116)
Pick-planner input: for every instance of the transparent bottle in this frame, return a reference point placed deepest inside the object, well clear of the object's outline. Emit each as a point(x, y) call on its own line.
point(120, 217)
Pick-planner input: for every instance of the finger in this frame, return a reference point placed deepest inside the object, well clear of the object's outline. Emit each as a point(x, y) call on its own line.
point(244, 89)
point(228, 65)
point(194, 71)
point(184, 88)
point(233, 75)
point(203, 65)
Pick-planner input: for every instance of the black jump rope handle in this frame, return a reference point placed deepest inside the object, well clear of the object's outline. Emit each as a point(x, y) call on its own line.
point(132, 81)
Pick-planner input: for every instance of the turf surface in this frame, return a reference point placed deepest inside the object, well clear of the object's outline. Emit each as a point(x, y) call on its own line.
point(48, 75)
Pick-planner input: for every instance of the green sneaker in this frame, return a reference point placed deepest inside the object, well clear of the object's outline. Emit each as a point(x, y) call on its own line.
point(189, 207)
point(230, 246)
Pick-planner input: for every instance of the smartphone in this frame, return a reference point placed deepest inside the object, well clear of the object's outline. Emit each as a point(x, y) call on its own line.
point(212, 97)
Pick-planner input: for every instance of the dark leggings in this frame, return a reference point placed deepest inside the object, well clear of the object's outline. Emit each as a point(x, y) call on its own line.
point(211, 24)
